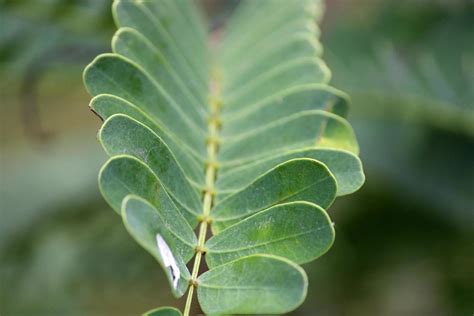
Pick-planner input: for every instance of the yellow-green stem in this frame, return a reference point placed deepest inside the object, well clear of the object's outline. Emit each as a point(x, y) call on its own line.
point(211, 170)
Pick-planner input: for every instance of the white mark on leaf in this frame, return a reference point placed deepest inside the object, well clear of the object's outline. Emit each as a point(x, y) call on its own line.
point(168, 259)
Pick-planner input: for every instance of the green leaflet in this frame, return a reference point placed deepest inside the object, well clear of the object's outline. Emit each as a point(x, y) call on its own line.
point(294, 180)
point(106, 105)
point(184, 14)
point(282, 34)
point(131, 44)
point(249, 28)
point(137, 87)
point(270, 53)
point(298, 231)
point(121, 134)
point(253, 285)
point(164, 311)
point(314, 128)
point(139, 16)
point(153, 232)
point(345, 166)
point(284, 103)
point(125, 175)
point(287, 75)
point(253, 145)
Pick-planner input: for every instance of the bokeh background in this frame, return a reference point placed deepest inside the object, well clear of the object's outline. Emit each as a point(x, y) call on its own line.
point(405, 241)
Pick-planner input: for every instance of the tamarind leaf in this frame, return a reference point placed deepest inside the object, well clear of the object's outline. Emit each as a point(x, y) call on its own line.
point(239, 132)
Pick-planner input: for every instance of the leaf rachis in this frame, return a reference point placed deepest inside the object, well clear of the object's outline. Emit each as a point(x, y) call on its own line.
point(211, 173)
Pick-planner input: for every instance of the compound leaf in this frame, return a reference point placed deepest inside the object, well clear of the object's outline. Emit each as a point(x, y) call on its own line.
point(253, 144)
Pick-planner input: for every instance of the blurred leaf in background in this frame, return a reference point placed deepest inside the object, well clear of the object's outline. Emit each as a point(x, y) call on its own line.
point(409, 67)
point(404, 243)
point(43, 46)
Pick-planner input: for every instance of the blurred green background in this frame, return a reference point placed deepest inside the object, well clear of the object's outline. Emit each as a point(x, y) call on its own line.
point(405, 242)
